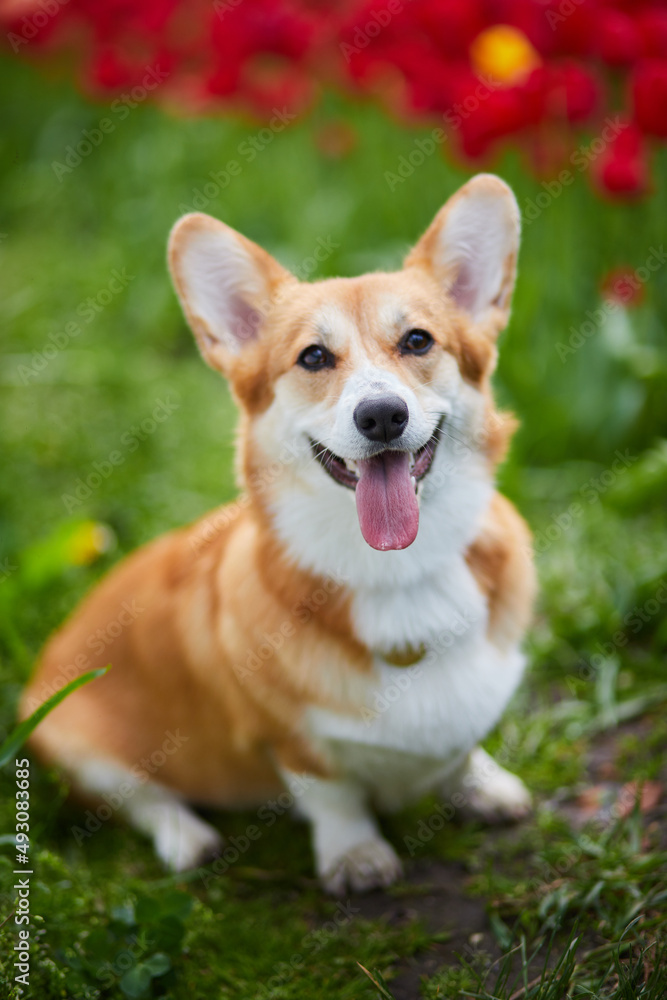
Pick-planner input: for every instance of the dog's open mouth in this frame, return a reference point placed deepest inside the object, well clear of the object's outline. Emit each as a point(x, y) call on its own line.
point(386, 488)
point(346, 472)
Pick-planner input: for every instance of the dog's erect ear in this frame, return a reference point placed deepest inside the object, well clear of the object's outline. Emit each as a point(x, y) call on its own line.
point(471, 249)
point(225, 283)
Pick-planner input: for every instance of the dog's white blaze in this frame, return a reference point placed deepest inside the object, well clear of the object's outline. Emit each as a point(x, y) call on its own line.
point(345, 439)
point(336, 328)
point(392, 314)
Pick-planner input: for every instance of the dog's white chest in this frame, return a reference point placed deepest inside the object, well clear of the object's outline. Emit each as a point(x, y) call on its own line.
point(419, 722)
point(413, 725)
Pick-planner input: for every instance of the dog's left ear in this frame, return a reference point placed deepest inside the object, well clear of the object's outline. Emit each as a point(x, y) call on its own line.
point(226, 285)
point(471, 249)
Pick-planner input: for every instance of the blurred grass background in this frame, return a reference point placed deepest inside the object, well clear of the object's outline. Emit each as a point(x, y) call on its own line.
point(60, 241)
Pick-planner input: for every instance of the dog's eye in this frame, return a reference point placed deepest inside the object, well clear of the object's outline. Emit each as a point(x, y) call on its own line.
point(416, 342)
point(315, 357)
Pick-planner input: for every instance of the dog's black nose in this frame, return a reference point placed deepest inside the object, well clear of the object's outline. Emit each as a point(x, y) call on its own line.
point(381, 419)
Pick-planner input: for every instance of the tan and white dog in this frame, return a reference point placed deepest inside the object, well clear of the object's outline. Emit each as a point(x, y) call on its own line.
point(350, 628)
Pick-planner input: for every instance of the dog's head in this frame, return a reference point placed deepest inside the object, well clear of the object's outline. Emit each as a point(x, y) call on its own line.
point(350, 387)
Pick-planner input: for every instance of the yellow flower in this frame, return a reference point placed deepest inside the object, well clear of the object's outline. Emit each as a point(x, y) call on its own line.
point(504, 54)
point(88, 541)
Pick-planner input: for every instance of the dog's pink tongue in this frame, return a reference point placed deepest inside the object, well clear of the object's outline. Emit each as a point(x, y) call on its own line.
point(386, 502)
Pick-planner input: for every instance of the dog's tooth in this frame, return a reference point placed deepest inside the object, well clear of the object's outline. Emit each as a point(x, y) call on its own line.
point(414, 483)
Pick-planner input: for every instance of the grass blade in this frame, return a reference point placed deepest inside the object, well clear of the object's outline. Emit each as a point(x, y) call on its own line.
point(16, 739)
point(379, 983)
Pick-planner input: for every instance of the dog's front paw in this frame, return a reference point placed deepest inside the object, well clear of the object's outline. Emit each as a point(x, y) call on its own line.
point(502, 798)
point(372, 864)
point(184, 841)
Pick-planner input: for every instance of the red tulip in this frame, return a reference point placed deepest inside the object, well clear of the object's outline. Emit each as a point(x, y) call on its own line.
point(623, 169)
point(652, 28)
point(336, 139)
point(528, 17)
point(619, 41)
point(572, 27)
point(622, 287)
point(431, 81)
point(497, 114)
point(489, 69)
point(649, 96)
point(451, 25)
point(573, 92)
point(109, 71)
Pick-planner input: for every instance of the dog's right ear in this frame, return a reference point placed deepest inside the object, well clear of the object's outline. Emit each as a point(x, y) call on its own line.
point(225, 283)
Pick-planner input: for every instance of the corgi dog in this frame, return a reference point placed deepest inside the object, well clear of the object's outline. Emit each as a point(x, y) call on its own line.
point(345, 633)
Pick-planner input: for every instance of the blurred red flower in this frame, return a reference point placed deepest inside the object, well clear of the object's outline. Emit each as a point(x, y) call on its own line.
point(649, 96)
point(652, 28)
point(623, 168)
point(619, 40)
point(538, 72)
point(622, 287)
point(573, 92)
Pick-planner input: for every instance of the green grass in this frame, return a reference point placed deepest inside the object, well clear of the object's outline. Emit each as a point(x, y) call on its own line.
point(598, 644)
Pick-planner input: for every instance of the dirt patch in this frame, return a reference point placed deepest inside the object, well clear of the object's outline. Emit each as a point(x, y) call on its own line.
point(435, 893)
